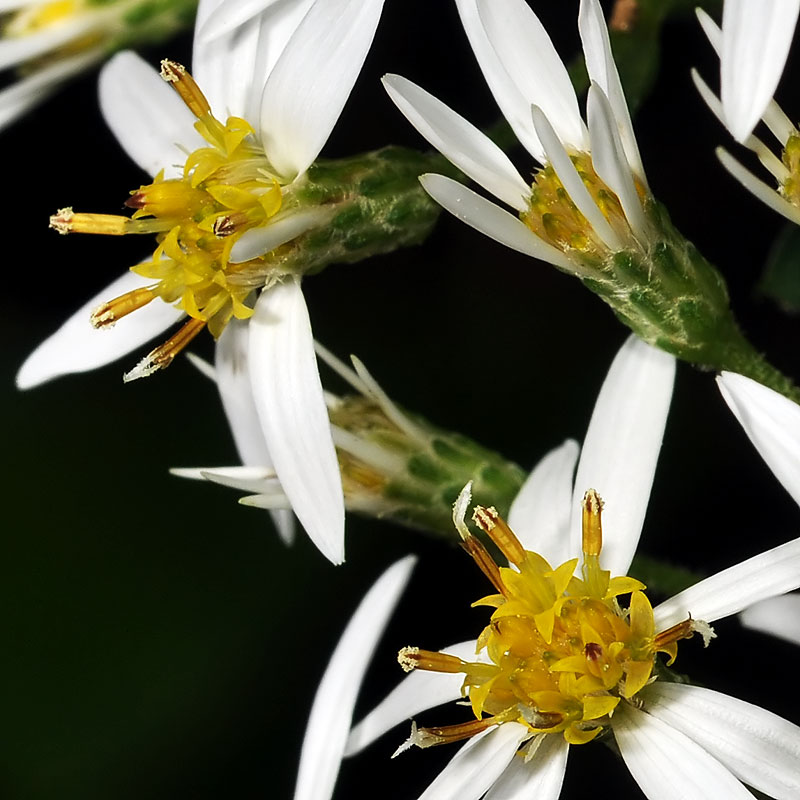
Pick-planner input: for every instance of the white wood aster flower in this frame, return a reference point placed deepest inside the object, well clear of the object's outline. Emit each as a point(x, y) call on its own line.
point(598, 166)
point(282, 72)
point(677, 740)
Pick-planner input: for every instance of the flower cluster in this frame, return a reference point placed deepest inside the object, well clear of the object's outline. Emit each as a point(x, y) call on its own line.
point(245, 201)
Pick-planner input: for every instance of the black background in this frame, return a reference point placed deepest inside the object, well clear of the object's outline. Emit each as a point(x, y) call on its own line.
point(158, 639)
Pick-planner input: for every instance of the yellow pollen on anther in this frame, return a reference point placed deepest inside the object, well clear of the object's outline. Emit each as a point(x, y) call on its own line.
point(226, 189)
point(561, 651)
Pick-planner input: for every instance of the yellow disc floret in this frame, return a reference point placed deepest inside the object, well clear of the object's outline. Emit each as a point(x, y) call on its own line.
point(554, 217)
point(561, 651)
point(226, 188)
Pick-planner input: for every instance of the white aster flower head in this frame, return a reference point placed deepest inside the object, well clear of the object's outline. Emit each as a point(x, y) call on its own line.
point(588, 200)
point(51, 41)
point(562, 662)
point(752, 46)
point(222, 204)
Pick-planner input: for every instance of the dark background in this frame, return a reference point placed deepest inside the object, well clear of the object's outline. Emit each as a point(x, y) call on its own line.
point(159, 640)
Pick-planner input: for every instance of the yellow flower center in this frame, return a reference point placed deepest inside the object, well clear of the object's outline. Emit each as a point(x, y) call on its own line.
point(553, 216)
point(226, 189)
point(562, 651)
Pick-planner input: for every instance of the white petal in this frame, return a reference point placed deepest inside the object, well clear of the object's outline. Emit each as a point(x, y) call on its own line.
point(148, 118)
point(758, 747)
point(326, 732)
point(557, 155)
point(417, 692)
point(768, 574)
point(710, 29)
point(311, 81)
point(755, 42)
point(20, 97)
point(603, 71)
point(540, 513)
point(202, 366)
point(237, 477)
point(771, 422)
point(477, 765)
point(236, 392)
point(278, 231)
point(766, 194)
point(538, 779)
point(491, 220)
point(460, 141)
point(515, 106)
point(291, 407)
point(78, 347)
point(778, 616)
point(765, 155)
point(528, 55)
point(610, 163)
point(667, 764)
point(621, 448)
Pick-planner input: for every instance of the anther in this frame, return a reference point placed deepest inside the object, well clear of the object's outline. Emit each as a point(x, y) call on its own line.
point(495, 527)
point(108, 313)
point(411, 658)
point(161, 357)
point(184, 84)
point(480, 555)
point(592, 507)
point(67, 221)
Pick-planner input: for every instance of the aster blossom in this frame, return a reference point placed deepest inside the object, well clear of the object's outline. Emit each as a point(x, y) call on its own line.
point(784, 196)
point(562, 662)
point(589, 210)
point(228, 218)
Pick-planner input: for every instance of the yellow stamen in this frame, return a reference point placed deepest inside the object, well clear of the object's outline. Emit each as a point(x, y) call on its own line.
point(411, 658)
point(108, 313)
point(161, 357)
point(495, 527)
point(184, 84)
